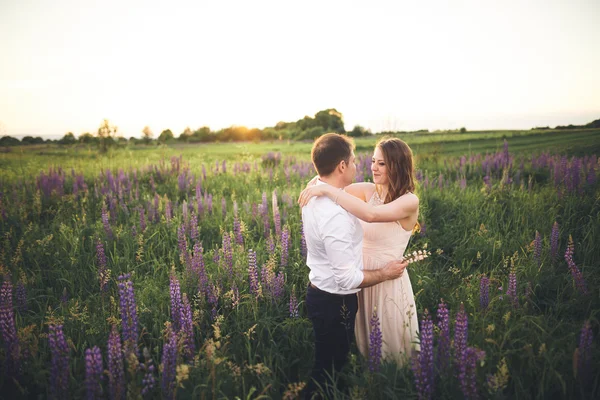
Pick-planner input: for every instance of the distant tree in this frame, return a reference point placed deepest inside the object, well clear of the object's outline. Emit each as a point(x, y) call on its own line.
point(9, 141)
point(593, 124)
point(106, 134)
point(87, 138)
point(69, 138)
point(359, 131)
point(311, 133)
point(202, 134)
point(165, 136)
point(463, 130)
point(148, 134)
point(27, 140)
point(185, 135)
point(331, 120)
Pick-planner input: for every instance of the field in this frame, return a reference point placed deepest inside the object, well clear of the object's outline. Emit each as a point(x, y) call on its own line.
point(178, 271)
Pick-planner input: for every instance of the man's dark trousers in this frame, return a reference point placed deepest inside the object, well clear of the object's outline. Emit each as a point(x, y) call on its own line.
point(333, 319)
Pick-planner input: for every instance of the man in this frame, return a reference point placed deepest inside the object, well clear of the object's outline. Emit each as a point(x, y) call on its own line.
point(334, 240)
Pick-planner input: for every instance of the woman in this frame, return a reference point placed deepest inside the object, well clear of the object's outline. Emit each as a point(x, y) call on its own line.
point(388, 210)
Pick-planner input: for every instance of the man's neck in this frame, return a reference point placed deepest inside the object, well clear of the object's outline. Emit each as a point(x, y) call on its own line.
point(334, 181)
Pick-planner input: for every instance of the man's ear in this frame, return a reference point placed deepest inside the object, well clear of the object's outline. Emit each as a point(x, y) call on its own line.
point(342, 166)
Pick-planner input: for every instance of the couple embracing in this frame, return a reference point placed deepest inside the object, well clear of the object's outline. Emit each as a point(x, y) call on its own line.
point(356, 235)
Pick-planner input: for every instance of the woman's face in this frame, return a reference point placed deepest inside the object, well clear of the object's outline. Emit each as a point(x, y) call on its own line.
point(379, 168)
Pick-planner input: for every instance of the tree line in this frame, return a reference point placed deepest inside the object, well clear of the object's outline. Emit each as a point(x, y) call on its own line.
point(307, 128)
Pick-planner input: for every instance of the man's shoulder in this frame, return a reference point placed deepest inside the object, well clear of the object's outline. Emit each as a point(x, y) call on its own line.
point(326, 211)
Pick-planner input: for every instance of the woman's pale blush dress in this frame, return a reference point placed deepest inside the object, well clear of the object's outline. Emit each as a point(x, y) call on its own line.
point(394, 299)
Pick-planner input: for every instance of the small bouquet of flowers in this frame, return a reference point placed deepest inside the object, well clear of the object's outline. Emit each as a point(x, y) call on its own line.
point(417, 255)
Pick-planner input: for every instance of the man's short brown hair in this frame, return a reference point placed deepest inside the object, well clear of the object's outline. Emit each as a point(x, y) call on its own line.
point(329, 150)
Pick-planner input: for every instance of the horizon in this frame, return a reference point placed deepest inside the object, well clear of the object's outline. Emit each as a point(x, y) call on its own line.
point(386, 66)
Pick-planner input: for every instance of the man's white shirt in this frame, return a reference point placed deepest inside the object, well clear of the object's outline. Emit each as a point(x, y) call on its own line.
point(334, 242)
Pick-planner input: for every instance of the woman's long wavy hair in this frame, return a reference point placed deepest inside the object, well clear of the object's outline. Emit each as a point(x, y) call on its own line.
point(398, 159)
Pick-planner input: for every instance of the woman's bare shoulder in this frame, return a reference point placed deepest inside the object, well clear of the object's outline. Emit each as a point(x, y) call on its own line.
point(362, 190)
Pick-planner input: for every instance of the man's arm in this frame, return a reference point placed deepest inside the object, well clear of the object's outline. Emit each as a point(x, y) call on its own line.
point(392, 270)
point(338, 232)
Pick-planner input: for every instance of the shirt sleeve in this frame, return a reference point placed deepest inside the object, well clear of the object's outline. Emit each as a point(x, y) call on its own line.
point(338, 232)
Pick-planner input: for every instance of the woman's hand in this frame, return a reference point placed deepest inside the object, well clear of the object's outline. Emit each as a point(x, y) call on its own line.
point(310, 192)
point(313, 181)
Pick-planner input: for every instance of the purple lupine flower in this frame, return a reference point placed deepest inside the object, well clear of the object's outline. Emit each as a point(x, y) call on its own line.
point(294, 306)
point(422, 364)
point(375, 343)
point(253, 273)
point(285, 243)
point(129, 320)
point(116, 374)
point(148, 381)
point(443, 323)
point(575, 174)
point(113, 209)
point(278, 285)
point(423, 229)
point(184, 255)
point(169, 365)
point(194, 233)
point(187, 327)
point(270, 244)
point(303, 248)
point(467, 373)
point(59, 374)
point(461, 333)
point(182, 182)
point(209, 203)
point(584, 360)
point(237, 230)
point(228, 253)
point(93, 373)
point(21, 295)
point(537, 248)
point(575, 272)
point(484, 292)
point(175, 292)
point(8, 328)
point(511, 292)
point(554, 241)
point(591, 175)
point(223, 207)
point(133, 231)
point(106, 223)
point(103, 274)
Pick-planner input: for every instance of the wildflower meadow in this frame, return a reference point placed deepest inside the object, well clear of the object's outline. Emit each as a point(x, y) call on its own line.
point(179, 272)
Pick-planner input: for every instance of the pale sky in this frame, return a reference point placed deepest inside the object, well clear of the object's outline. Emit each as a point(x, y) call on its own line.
point(386, 65)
